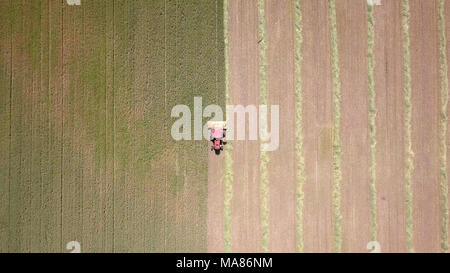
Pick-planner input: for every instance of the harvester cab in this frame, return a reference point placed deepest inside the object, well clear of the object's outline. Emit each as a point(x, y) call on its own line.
point(217, 133)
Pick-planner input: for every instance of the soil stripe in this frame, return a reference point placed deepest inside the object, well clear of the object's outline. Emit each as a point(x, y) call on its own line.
point(372, 122)
point(443, 123)
point(390, 158)
point(425, 182)
point(298, 22)
point(228, 172)
point(317, 124)
point(409, 165)
point(264, 157)
point(337, 145)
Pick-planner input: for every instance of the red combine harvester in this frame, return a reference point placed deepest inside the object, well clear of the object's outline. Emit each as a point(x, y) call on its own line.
point(217, 133)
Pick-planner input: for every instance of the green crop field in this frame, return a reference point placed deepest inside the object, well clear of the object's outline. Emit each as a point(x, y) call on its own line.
point(85, 98)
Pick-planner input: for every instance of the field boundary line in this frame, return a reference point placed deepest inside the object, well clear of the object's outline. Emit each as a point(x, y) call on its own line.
point(443, 71)
point(372, 121)
point(409, 155)
point(337, 144)
point(228, 172)
point(298, 40)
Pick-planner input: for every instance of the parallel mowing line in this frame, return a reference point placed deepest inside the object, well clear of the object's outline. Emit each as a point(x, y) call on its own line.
point(298, 24)
point(443, 124)
point(228, 172)
point(372, 124)
point(263, 98)
point(408, 143)
point(337, 145)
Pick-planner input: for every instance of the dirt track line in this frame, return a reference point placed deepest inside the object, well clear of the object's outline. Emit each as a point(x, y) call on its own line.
point(409, 164)
point(372, 122)
point(443, 72)
point(228, 173)
point(298, 24)
point(264, 156)
point(337, 144)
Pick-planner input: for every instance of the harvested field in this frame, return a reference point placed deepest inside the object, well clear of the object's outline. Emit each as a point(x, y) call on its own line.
point(363, 93)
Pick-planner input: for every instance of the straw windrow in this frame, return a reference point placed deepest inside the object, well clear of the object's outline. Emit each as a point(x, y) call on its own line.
point(372, 122)
point(443, 72)
point(298, 28)
point(337, 145)
point(409, 165)
point(228, 172)
point(263, 98)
